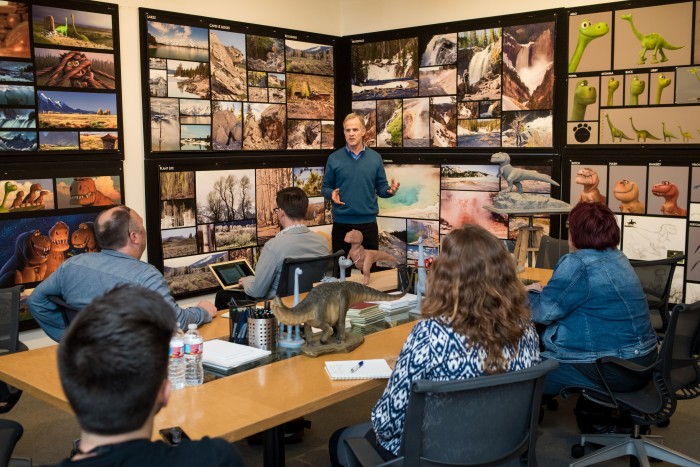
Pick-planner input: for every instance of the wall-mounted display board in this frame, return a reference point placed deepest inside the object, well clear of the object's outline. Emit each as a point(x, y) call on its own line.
point(633, 75)
point(46, 215)
point(213, 85)
point(60, 92)
point(655, 203)
point(487, 83)
point(214, 209)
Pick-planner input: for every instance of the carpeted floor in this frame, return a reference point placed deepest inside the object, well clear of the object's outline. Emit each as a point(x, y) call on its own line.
point(49, 433)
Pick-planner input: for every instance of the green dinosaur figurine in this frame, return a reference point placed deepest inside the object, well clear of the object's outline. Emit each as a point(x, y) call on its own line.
point(615, 132)
point(636, 88)
point(654, 42)
point(667, 133)
point(9, 188)
point(326, 305)
point(686, 135)
point(661, 84)
point(584, 95)
point(642, 134)
point(613, 84)
point(586, 33)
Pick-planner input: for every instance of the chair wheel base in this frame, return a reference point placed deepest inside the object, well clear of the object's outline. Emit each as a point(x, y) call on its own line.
point(577, 451)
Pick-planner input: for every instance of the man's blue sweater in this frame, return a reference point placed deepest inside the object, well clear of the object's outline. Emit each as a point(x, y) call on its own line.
point(360, 182)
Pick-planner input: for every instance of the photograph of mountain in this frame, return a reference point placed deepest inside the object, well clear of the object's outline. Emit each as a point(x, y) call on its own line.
point(305, 57)
point(177, 42)
point(16, 71)
point(179, 242)
point(387, 69)
point(157, 83)
point(59, 141)
point(61, 109)
point(18, 141)
point(195, 112)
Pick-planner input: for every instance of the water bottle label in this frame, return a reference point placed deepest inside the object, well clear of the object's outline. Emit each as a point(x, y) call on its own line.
point(193, 349)
point(176, 352)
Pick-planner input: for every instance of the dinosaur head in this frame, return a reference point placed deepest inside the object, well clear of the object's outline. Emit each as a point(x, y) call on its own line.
point(33, 247)
point(80, 237)
point(627, 17)
point(663, 81)
point(500, 157)
point(588, 31)
point(35, 187)
point(666, 189)
point(58, 234)
point(613, 84)
point(354, 237)
point(637, 86)
point(10, 187)
point(82, 191)
point(626, 191)
point(587, 177)
point(584, 94)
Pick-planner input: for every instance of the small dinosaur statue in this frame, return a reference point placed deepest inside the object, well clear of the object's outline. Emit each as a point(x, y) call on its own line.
point(613, 84)
point(584, 95)
point(615, 132)
point(627, 193)
point(661, 83)
point(636, 88)
point(686, 135)
point(667, 133)
point(587, 32)
point(669, 191)
point(515, 176)
point(588, 178)
point(654, 42)
point(642, 134)
point(364, 259)
point(9, 188)
point(326, 305)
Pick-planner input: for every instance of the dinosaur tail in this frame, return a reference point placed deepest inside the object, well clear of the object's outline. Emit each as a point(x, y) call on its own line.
point(672, 47)
point(542, 178)
point(291, 316)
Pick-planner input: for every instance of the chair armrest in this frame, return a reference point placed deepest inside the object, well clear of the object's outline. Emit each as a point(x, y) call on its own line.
point(363, 451)
point(626, 364)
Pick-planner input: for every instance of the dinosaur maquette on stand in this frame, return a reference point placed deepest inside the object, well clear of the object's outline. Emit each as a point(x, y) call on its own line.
point(364, 259)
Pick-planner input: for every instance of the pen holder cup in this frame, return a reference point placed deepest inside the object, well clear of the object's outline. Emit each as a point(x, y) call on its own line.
point(238, 315)
point(262, 333)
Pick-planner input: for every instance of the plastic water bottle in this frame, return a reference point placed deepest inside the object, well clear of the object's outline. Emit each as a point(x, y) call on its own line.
point(194, 373)
point(176, 364)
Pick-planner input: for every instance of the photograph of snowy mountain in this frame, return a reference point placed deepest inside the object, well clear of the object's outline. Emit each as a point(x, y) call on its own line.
point(176, 41)
point(63, 109)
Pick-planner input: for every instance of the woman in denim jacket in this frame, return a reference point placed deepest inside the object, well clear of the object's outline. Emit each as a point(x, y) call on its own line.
point(593, 306)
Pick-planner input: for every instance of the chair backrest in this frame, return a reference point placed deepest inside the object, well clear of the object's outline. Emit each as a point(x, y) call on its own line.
point(313, 270)
point(9, 318)
point(10, 433)
point(656, 277)
point(68, 312)
point(489, 420)
point(551, 250)
point(682, 370)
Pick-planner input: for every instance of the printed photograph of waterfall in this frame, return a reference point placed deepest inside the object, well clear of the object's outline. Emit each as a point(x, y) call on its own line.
point(479, 64)
point(386, 69)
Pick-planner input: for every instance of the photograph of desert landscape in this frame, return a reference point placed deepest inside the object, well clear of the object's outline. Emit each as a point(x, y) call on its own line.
point(74, 69)
point(228, 61)
point(386, 69)
point(77, 110)
point(310, 97)
point(71, 28)
point(177, 42)
point(304, 57)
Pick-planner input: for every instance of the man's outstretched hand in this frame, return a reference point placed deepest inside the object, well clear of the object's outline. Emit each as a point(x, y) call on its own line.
point(335, 196)
point(394, 187)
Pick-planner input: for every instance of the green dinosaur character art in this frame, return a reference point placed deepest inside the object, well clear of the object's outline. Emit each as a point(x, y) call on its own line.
point(63, 30)
point(9, 188)
point(695, 72)
point(636, 88)
point(587, 32)
point(74, 33)
point(667, 133)
point(615, 132)
point(686, 135)
point(642, 134)
point(654, 42)
point(661, 84)
point(584, 95)
point(613, 84)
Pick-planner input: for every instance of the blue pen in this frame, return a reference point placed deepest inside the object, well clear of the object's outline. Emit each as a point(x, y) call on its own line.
point(357, 367)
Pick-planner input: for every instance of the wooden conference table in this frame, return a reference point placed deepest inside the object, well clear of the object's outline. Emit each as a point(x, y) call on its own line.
point(240, 405)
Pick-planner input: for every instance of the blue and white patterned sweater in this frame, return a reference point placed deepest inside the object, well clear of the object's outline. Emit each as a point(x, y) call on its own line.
point(433, 351)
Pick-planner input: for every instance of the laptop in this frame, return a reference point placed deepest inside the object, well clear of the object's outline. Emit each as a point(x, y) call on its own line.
point(228, 273)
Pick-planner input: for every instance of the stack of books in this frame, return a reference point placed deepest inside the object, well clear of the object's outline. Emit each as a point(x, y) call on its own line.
point(398, 309)
point(364, 313)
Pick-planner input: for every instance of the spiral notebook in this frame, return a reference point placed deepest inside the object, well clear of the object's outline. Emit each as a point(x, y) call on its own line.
point(370, 369)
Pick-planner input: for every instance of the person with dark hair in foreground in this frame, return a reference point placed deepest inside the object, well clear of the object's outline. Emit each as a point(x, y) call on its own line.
point(475, 323)
point(593, 306)
point(121, 235)
point(113, 363)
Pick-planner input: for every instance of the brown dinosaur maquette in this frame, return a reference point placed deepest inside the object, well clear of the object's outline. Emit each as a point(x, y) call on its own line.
point(627, 193)
point(364, 259)
point(669, 191)
point(58, 234)
point(326, 305)
point(83, 192)
point(84, 237)
point(588, 178)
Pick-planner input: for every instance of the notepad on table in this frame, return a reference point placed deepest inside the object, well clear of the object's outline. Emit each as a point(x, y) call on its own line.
point(370, 369)
point(224, 354)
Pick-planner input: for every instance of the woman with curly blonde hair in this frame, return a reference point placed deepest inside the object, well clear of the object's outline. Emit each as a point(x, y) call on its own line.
point(475, 322)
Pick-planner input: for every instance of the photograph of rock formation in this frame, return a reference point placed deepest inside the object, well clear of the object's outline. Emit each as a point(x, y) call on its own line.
point(392, 240)
point(479, 64)
point(227, 126)
point(305, 57)
point(327, 134)
point(228, 62)
point(443, 122)
point(265, 53)
point(386, 69)
point(441, 49)
point(368, 111)
point(303, 134)
point(264, 126)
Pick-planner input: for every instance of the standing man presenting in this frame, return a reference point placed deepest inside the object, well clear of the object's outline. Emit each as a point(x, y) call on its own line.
point(353, 179)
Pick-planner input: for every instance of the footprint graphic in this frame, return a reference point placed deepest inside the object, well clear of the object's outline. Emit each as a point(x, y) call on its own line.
point(582, 132)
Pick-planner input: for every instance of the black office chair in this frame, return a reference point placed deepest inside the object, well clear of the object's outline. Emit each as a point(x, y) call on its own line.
point(313, 270)
point(675, 375)
point(656, 277)
point(68, 312)
point(550, 251)
point(9, 340)
point(10, 433)
point(441, 421)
